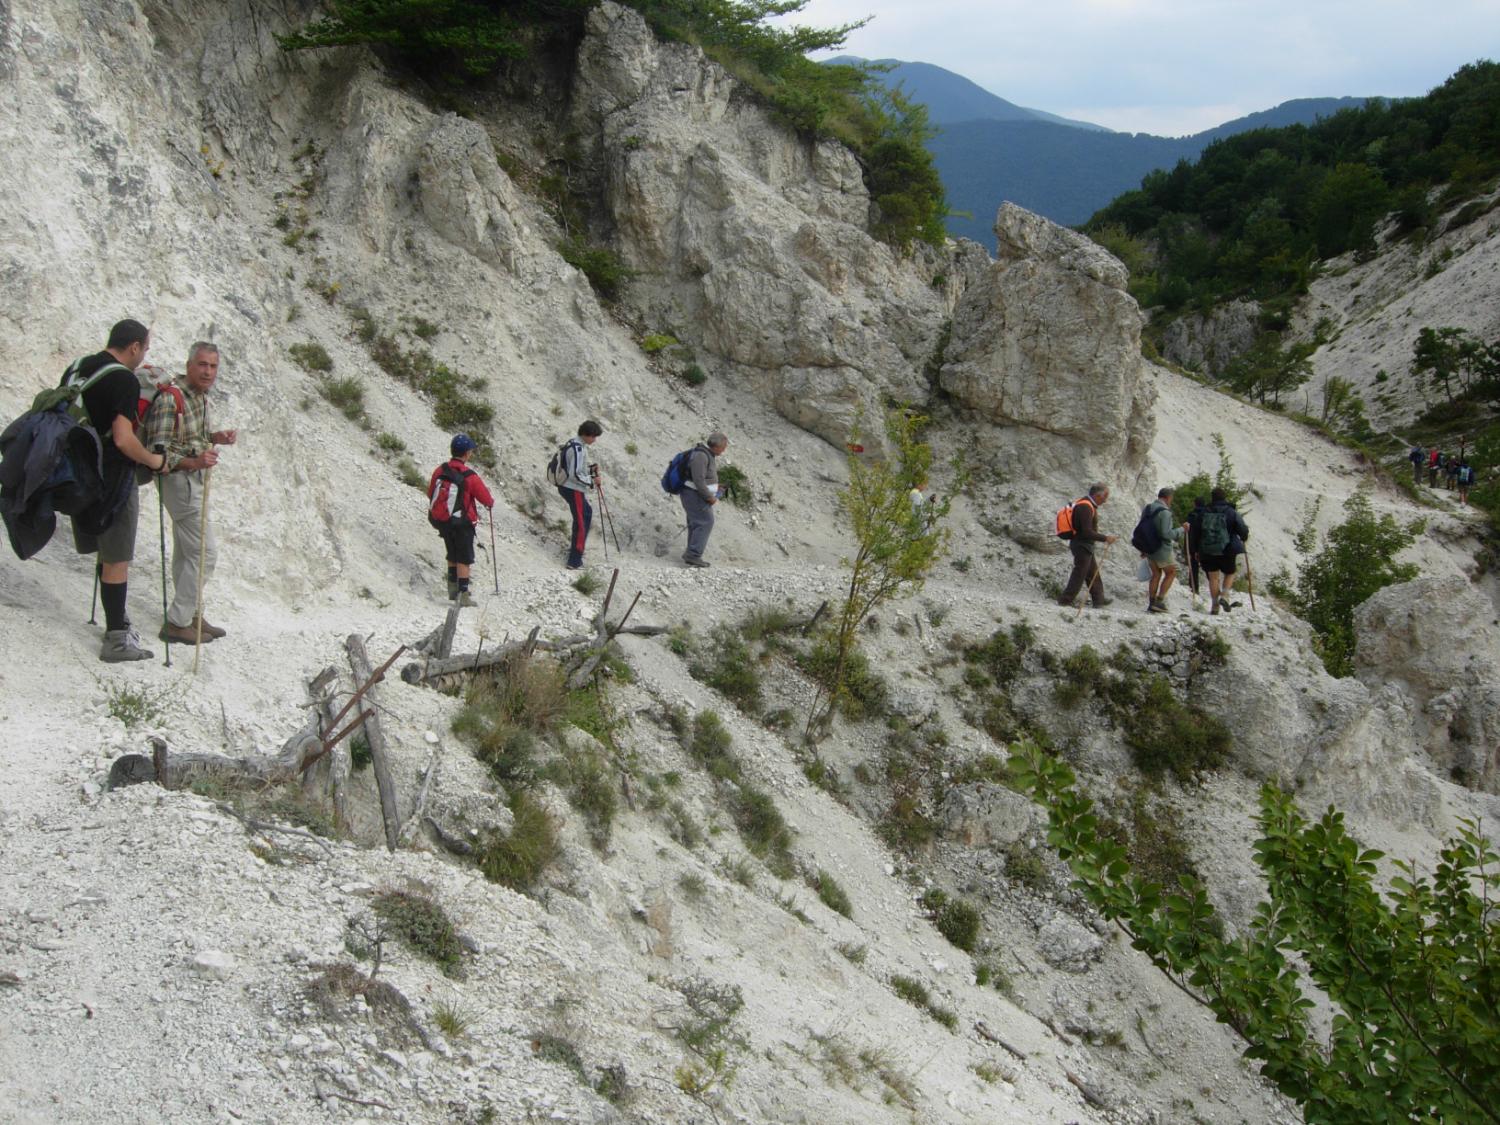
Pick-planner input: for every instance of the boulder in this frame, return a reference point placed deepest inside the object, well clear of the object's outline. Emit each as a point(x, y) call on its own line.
point(1048, 346)
point(983, 814)
point(1435, 639)
point(1209, 344)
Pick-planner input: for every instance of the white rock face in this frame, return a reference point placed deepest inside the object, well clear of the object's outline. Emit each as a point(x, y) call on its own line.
point(1435, 638)
point(1048, 347)
point(1211, 343)
point(750, 240)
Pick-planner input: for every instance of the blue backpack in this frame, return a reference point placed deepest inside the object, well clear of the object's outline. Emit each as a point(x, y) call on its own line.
point(673, 480)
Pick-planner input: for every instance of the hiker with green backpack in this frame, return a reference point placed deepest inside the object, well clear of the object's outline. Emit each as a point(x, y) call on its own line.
point(1218, 539)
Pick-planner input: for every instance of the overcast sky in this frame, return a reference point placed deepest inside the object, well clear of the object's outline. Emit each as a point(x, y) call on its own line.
point(1175, 66)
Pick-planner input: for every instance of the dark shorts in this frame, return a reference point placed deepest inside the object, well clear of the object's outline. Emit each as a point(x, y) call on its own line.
point(116, 543)
point(458, 538)
point(1217, 564)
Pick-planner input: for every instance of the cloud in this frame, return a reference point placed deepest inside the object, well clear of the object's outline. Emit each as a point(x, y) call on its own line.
point(1145, 63)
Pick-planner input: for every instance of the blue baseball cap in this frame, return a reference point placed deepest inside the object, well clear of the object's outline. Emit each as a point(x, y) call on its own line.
point(462, 443)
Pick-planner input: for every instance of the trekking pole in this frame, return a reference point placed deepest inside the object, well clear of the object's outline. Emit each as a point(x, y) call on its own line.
point(1093, 579)
point(609, 520)
point(1249, 580)
point(161, 519)
point(494, 562)
point(94, 603)
point(202, 558)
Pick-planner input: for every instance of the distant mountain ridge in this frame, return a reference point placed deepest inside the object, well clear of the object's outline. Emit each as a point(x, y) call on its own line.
point(991, 150)
point(951, 97)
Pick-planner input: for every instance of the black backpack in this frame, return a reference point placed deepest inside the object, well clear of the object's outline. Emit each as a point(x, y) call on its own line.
point(51, 463)
point(1145, 538)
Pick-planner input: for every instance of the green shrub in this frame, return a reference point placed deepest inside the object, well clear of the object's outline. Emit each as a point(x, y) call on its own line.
point(865, 694)
point(958, 921)
point(736, 486)
point(654, 342)
point(422, 925)
point(762, 827)
point(587, 779)
point(606, 272)
point(517, 859)
point(830, 894)
point(729, 668)
point(346, 395)
point(709, 746)
point(311, 357)
point(914, 992)
point(694, 376)
point(1001, 656)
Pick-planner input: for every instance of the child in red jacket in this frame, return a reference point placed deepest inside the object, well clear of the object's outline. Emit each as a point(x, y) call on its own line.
point(455, 493)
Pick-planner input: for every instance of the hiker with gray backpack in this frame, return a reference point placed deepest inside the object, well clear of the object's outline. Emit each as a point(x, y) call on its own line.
point(572, 475)
point(1220, 534)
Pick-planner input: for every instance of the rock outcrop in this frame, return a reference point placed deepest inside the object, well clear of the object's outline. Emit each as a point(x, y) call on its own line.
point(1210, 343)
point(1435, 640)
point(1048, 347)
point(749, 241)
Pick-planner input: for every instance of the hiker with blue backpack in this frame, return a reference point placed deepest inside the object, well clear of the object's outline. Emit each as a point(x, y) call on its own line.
point(1156, 538)
point(574, 477)
point(454, 494)
point(699, 492)
point(1221, 533)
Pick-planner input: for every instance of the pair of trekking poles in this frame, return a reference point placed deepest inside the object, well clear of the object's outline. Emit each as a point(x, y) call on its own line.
point(606, 521)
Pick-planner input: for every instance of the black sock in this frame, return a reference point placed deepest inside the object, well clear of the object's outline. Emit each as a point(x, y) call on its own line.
point(112, 595)
point(452, 575)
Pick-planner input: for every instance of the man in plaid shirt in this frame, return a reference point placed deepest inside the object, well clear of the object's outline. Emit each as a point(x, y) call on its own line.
point(189, 446)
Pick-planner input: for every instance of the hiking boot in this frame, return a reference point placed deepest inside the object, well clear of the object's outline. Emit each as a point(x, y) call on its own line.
point(209, 628)
point(1158, 607)
point(183, 634)
point(1226, 604)
point(699, 563)
point(464, 600)
point(1102, 602)
point(122, 645)
point(574, 566)
point(1214, 612)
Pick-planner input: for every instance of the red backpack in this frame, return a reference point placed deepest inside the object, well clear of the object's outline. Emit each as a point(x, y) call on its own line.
point(154, 383)
point(447, 497)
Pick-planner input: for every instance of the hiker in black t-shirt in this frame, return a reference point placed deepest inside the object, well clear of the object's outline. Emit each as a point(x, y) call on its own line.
point(111, 404)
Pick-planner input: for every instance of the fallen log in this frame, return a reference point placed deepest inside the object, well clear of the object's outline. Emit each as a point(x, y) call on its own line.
point(423, 673)
point(374, 736)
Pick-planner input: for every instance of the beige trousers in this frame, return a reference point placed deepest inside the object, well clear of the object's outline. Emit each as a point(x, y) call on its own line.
point(182, 493)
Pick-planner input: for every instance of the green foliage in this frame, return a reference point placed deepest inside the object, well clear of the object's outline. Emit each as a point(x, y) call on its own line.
point(518, 858)
point(1249, 217)
point(1267, 371)
point(346, 395)
point(955, 919)
point(587, 583)
point(830, 894)
point(1449, 359)
point(1001, 657)
point(694, 376)
point(896, 544)
point(587, 779)
point(1416, 995)
point(1201, 488)
point(736, 486)
point(654, 342)
point(1356, 559)
point(312, 357)
point(729, 668)
point(601, 265)
point(762, 827)
point(864, 695)
point(422, 925)
point(133, 705)
point(456, 40)
point(709, 747)
point(915, 993)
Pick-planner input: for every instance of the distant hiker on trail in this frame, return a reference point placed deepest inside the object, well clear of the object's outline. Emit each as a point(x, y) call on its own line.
point(1221, 539)
point(1416, 457)
point(700, 492)
point(1434, 462)
point(1450, 470)
point(1083, 541)
point(1156, 538)
point(575, 478)
point(112, 405)
point(1465, 480)
point(178, 424)
point(455, 493)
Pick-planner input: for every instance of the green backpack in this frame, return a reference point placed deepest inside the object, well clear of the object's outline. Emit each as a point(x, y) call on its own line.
point(1213, 533)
